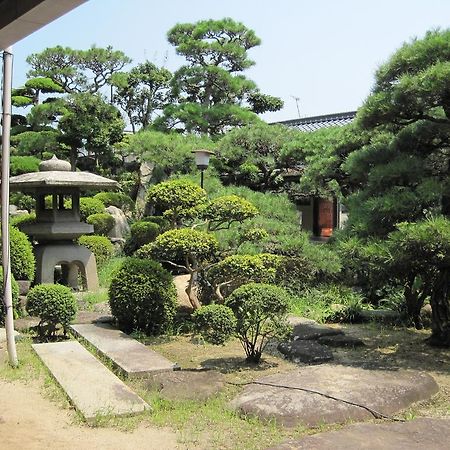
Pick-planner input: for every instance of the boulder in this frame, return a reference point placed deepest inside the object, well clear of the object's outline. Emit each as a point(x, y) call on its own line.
point(341, 340)
point(308, 352)
point(121, 228)
point(302, 397)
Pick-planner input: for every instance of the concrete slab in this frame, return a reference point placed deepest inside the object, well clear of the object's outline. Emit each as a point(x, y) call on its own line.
point(93, 389)
point(419, 434)
point(134, 359)
point(293, 398)
point(3, 335)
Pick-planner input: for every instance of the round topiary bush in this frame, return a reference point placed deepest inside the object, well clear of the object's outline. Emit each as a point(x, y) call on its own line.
point(142, 297)
point(117, 199)
point(103, 223)
point(89, 206)
point(260, 310)
point(22, 219)
point(100, 246)
point(22, 258)
point(15, 298)
point(163, 223)
point(142, 232)
point(22, 201)
point(215, 323)
point(54, 304)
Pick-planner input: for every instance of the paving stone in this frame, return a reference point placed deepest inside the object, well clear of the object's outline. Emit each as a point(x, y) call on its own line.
point(385, 391)
point(93, 389)
point(311, 331)
point(341, 340)
point(308, 352)
point(187, 385)
point(418, 434)
point(92, 317)
point(130, 356)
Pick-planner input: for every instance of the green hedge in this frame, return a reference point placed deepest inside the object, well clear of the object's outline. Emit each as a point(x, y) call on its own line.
point(142, 232)
point(103, 223)
point(142, 297)
point(215, 323)
point(100, 246)
point(117, 199)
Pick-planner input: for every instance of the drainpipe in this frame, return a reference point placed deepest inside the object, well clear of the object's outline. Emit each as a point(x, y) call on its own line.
point(6, 259)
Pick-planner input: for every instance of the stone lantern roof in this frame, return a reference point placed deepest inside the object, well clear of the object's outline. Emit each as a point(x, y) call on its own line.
point(55, 174)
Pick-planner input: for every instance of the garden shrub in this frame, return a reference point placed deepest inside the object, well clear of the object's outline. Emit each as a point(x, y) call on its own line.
point(54, 304)
point(215, 323)
point(100, 246)
point(142, 297)
point(142, 232)
point(22, 219)
point(117, 199)
point(103, 223)
point(21, 253)
point(89, 206)
point(163, 223)
point(177, 200)
point(24, 164)
point(14, 295)
point(22, 201)
point(260, 310)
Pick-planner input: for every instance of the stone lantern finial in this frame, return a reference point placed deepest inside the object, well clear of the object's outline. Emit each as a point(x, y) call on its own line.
point(55, 164)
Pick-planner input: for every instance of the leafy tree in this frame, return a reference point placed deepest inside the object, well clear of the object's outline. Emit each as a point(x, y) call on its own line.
point(212, 93)
point(141, 92)
point(77, 71)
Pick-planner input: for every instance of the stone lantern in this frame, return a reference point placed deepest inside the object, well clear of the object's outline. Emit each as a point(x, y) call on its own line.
point(57, 226)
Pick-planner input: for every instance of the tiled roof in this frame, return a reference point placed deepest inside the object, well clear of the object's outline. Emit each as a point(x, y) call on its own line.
point(317, 122)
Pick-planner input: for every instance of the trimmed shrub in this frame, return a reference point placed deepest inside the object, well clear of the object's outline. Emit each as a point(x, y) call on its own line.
point(163, 223)
point(22, 219)
point(89, 206)
point(103, 223)
point(22, 257)
point(15, 297)
point(215, 323)
point(54, 304)
point(142, 297)
point(22, 201)
point(117, 199)
point(24, 164)
point(260, 310)
point(142, 232)
point(178, 200)
point(100, 246)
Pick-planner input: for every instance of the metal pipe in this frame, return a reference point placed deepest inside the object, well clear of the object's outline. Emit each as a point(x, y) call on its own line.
point(6, 259)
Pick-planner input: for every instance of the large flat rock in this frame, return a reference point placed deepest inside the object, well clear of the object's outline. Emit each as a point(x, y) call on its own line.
point(134, 359)
point(93, 389)
point(308, 352)
point(384, 391)
point(419, 434)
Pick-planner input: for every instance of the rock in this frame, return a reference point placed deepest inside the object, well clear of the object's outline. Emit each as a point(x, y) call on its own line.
point(92, 317)
point(24, 286)
point(121, 228)
point(341, 340)
point(25, 323)
point(308, 352)
point(384, 391)
point(145, 175)
point(181, 282)
point(380, 315)
point(187, 385)
point(418, 434)
point(311, 331)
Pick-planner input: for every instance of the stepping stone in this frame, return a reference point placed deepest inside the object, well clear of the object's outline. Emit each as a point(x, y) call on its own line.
point(312, 331)
point(384, 391)
point(93, 389)
point(419, 434)
point(308, 352)
point(341, 340)
point(92, 317)
point(187, 384)
point(131, 357)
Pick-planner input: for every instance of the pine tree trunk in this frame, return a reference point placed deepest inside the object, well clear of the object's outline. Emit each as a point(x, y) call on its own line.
point(440, 304)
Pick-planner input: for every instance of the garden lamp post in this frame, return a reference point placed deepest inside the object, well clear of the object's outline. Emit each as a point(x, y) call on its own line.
point(202, 161)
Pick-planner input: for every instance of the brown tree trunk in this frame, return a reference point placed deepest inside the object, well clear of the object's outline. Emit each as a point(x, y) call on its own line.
point(440, 305)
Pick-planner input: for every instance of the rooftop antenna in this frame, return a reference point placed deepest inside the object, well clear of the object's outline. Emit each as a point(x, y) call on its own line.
point(297, 99)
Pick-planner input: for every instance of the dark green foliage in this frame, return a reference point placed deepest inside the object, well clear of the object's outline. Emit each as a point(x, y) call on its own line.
point(37, 143)
point(260, 310)
point(14, 295)
point(100, 246)
point(22, 201)
point(178, 200)
point(117, 199)
point(89, 206)
point(53, 304)
point(215, 323)
point(163, 223)
point(103, 223)
point(23, 164)
point(142, 232)
point(22, 257)
point(142, 297)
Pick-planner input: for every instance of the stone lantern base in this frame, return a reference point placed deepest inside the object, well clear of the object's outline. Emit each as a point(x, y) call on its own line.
point(75, 259)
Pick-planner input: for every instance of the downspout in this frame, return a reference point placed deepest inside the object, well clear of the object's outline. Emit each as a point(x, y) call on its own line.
point(6, 259)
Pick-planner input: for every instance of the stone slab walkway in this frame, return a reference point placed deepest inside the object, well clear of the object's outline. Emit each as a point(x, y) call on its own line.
point(419, 434)
point(134, 359)
point(93, 389)
point(385, 391)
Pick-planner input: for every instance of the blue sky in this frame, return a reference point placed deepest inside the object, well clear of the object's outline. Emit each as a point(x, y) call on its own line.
point(324, 52)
